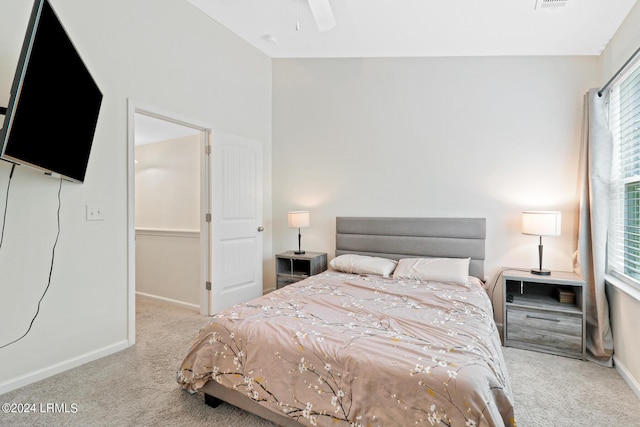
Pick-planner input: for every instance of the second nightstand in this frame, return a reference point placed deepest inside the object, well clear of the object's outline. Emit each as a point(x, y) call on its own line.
point(545, 313)
point(292, 267)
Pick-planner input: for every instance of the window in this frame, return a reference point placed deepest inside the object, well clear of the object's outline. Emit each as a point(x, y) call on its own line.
point(624, 227)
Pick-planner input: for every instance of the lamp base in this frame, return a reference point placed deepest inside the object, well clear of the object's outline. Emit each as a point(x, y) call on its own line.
point(299, 252)
point(540, 272)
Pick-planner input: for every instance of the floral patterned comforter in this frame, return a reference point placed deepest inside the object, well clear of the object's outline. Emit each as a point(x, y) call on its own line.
point(346, 350)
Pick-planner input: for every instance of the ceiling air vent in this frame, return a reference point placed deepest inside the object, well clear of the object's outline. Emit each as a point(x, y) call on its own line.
point(550, 4)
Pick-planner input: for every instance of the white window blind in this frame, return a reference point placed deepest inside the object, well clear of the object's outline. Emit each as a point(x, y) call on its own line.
point(624, 223)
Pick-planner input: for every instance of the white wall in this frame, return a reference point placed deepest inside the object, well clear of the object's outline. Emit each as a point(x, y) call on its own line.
point(624, 309)
point(162, 53)
point(168, 184)
point(462, 137)
point(168, 220)
point(168, 266)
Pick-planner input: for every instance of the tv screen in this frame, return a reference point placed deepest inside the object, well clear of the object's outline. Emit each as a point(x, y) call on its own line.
point(54, 102)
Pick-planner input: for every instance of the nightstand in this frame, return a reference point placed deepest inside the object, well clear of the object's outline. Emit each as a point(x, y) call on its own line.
point(545, 313)
point(292, 267)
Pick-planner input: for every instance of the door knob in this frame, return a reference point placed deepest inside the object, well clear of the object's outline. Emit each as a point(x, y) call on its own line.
point(261, 229)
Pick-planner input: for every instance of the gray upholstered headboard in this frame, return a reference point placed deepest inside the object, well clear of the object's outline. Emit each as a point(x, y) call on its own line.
point(397, 238)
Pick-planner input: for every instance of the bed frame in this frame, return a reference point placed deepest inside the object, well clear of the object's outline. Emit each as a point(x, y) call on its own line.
point(397, 238)
point(392, 238)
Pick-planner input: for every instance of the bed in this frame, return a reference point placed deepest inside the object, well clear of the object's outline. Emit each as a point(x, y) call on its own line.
point(377, 340)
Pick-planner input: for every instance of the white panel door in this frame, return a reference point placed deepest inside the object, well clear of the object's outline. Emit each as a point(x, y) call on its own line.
point(236, 220)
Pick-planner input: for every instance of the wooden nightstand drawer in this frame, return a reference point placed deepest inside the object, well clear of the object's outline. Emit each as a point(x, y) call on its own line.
point(544, 312)
point(544, 330)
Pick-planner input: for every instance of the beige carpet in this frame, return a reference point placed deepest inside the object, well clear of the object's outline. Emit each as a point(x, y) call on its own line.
point(136, 387)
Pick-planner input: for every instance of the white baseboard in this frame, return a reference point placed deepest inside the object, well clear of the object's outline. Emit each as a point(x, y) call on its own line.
point(50, 371)
point(171, 301)
point(626, 375)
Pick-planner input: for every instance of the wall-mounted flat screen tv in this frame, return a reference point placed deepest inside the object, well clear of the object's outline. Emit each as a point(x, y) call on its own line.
point(54, 102)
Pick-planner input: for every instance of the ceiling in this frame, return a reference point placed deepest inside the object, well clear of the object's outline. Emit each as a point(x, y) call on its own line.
point(149, 129)
point(419, 28)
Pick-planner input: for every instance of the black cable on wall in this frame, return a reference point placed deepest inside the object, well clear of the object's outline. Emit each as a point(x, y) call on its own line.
point(53, 255)
point(6, 204)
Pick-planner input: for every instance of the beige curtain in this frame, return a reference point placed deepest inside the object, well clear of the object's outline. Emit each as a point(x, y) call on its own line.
point(595, 168)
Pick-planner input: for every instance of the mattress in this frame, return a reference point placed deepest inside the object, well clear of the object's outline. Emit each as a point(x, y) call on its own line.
point(341, 349)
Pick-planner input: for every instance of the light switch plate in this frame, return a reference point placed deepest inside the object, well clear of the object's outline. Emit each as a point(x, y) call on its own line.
point(95, 213)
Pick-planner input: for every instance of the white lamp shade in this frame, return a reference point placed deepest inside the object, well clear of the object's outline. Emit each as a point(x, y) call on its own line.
point(299, 219)
point(541, 223)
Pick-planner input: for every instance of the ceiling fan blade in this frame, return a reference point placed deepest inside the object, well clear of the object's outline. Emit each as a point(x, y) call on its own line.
point(322, 13)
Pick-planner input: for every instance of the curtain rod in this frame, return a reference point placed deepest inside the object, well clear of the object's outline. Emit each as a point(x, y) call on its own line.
point(620, 70)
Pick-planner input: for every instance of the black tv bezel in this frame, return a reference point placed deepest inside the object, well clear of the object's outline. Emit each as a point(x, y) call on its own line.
point(24, 62)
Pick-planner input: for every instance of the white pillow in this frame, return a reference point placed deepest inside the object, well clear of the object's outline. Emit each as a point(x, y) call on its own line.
point(437, 269)
point(360, 264)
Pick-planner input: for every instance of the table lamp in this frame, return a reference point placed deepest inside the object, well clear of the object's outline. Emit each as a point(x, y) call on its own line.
point(541, 223)
point(298, 219)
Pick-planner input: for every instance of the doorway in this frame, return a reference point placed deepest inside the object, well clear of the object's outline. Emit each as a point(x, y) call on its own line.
point(168, 198)
point(231, 234)
point(167, 210)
